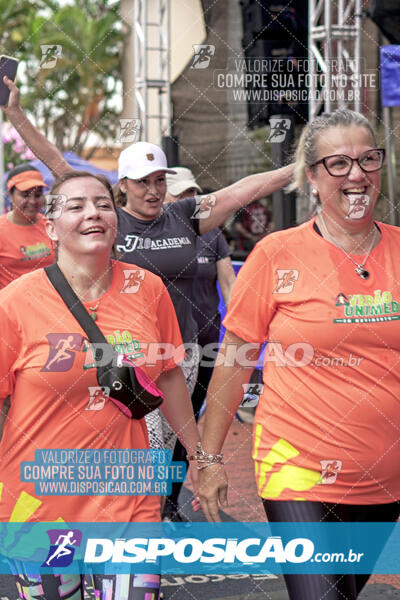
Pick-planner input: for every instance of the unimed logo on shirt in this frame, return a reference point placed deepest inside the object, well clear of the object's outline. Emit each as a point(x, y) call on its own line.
point(34, 251)
point(378, 307)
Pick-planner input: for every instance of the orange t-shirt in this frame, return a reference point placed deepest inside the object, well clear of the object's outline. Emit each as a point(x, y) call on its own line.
point(42, 357)
point(328, 421)
point(23, 248)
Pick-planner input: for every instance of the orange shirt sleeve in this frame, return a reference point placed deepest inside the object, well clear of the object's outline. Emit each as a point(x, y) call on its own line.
point(252, 304)
point(10, 349)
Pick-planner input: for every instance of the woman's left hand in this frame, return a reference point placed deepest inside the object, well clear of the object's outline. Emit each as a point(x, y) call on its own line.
point(213, 488)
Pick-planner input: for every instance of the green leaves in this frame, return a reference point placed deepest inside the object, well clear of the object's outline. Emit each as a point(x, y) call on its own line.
point(72, 62)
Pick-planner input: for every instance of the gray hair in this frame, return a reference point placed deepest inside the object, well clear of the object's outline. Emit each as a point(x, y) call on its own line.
point(306, 148)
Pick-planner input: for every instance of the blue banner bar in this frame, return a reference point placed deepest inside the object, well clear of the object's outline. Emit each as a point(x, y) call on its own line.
point(201, 548)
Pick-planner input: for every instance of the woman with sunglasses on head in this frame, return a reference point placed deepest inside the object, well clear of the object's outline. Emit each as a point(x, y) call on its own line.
point(48, 368)
point(326, 296)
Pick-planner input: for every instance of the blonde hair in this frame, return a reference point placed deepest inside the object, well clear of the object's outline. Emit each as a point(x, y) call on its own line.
point(306, 151)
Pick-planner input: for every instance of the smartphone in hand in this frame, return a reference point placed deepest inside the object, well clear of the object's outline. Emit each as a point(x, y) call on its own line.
point(8, 66)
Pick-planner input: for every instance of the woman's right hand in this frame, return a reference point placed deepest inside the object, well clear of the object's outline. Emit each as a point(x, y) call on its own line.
point(13, 100)
point(213, 488)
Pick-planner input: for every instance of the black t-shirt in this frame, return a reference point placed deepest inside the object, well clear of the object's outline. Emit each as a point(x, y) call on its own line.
point(211, 247)
point(167, 247)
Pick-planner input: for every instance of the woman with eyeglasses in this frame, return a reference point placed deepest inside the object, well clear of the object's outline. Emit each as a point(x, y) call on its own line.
point(326, 296)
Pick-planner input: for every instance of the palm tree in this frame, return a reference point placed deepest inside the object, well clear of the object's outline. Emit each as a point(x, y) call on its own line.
point(73, 99)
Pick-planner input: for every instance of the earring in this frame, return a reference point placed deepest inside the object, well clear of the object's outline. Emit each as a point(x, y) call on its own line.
point(314, 192)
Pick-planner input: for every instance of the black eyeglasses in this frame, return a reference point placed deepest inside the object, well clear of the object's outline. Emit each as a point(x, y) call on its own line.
point(340, 165)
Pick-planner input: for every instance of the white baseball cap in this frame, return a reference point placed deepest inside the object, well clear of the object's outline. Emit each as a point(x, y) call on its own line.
point(182, 180)
point(141, 159)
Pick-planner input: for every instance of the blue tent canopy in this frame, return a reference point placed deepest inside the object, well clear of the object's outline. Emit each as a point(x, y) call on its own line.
point(77, 163)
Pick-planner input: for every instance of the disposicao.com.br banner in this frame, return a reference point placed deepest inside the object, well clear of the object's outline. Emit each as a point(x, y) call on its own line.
point(201, 548)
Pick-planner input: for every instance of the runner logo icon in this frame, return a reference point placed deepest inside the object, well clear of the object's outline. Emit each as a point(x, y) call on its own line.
point(202, 56)
point(62, 550)
point(204, 205)
point(62, 349)
point(341, 300)
point(97, 397)
point(251, 393)
point(54, 205)
point(329, 471)
point(50, 54)
point(133, 280)
point(279, 128)
point(129, 130)
point(286, 280)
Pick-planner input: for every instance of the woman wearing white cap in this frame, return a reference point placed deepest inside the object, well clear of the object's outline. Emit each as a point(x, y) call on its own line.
point(162, 237)
point(150, 235)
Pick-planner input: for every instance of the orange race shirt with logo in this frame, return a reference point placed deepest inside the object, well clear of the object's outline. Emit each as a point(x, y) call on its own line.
point(45, 364)
point(23, 248)
point(327, 427)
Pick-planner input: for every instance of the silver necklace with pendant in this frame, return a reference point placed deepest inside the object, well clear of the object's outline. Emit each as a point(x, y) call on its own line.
point(360, 270)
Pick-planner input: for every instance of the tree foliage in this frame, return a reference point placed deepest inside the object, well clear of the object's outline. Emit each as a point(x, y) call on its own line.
point(14, 39)
point(71, 95)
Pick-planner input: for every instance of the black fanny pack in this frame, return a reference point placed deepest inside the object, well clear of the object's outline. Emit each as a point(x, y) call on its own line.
point(129, 387)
